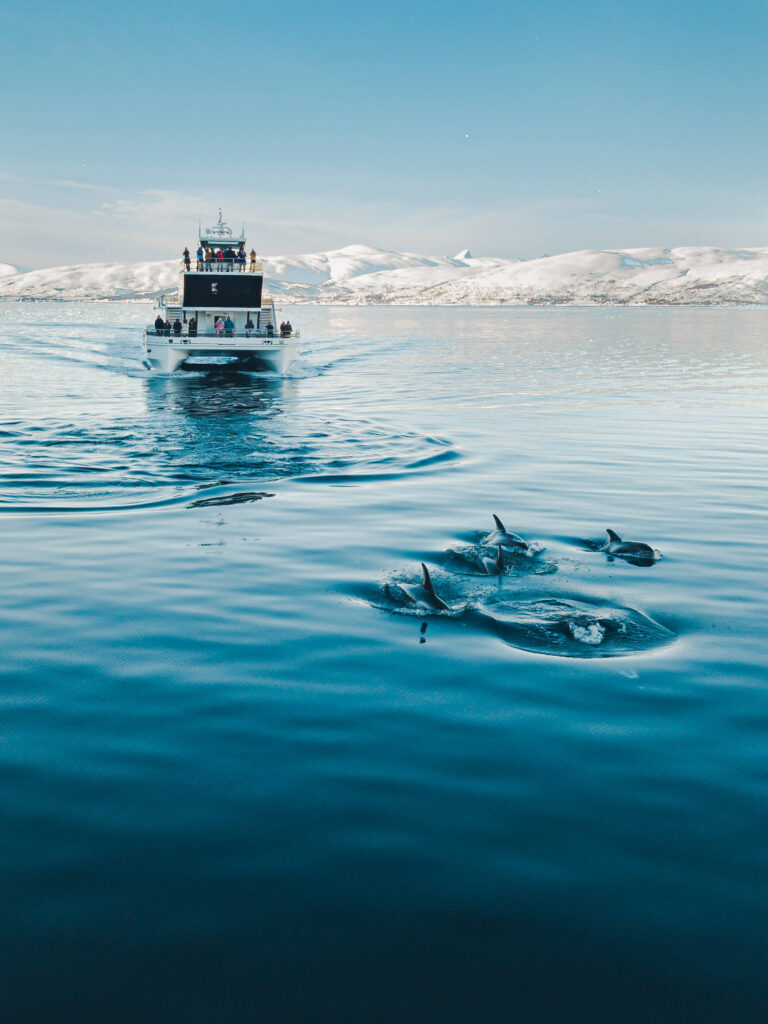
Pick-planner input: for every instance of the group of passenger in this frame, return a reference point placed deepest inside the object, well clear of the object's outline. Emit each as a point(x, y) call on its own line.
point(220, 259)
point(165, 327)
point(227, 326)
point(224, 326)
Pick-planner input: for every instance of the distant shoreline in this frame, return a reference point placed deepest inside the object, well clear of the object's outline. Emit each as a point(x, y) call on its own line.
point(282, 301)
point(362, 275)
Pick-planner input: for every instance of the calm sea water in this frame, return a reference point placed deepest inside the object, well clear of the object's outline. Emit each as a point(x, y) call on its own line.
point(243, 779)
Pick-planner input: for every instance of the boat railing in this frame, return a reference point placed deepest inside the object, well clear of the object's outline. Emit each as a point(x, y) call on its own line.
point(227, 265)
point(257, 332)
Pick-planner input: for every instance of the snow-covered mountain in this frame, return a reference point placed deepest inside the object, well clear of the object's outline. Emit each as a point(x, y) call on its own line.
point(360, 274)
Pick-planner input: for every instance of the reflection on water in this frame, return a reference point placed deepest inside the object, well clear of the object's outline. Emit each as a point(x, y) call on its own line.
point(223, 394)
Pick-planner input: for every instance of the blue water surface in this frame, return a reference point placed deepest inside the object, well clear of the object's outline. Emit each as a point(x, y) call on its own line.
point(241, 780)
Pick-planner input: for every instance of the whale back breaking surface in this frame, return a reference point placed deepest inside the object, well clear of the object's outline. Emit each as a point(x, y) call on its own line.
point(502, 536)
point(637, 552)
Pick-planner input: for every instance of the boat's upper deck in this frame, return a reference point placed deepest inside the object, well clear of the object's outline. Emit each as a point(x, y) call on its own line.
point(221, 273)
point(220, 251)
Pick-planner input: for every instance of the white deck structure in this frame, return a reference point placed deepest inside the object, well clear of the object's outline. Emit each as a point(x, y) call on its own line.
point(220, 284)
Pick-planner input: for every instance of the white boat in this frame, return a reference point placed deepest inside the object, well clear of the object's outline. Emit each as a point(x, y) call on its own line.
point(220, 313)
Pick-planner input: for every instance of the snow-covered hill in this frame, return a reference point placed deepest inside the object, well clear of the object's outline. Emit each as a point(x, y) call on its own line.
point(360, 274)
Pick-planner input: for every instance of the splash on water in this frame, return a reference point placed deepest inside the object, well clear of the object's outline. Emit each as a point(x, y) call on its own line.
point(473, 559)
point(301, 368)
point(573, 627)
point(591, 633)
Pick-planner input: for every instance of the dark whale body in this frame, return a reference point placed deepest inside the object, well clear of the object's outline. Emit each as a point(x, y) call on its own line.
point(627, 548)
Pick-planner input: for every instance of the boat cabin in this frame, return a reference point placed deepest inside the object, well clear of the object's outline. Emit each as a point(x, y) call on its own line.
point(221, 280)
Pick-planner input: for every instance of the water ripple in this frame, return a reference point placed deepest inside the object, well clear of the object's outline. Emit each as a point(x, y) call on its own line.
point(192, 430)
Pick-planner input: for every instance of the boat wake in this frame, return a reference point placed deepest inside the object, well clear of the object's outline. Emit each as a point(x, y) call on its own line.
point(197, 431)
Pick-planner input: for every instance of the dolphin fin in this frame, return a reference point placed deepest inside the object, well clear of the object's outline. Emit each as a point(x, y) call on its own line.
point(613, 537)
point(499, 559)
point(499, 524)
point(427, 584)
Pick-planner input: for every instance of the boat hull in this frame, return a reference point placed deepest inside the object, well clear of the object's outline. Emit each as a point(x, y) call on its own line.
point(169, 353)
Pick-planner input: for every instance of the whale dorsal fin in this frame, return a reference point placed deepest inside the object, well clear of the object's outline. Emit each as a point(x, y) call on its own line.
point(427, 584)
point(613, 537)
point(499, 558)
point(499, 524)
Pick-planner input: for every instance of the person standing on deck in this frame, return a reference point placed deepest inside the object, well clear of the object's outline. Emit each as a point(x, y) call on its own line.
point(186, 257)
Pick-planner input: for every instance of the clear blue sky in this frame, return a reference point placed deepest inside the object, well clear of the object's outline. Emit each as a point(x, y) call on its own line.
point(513, 128)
